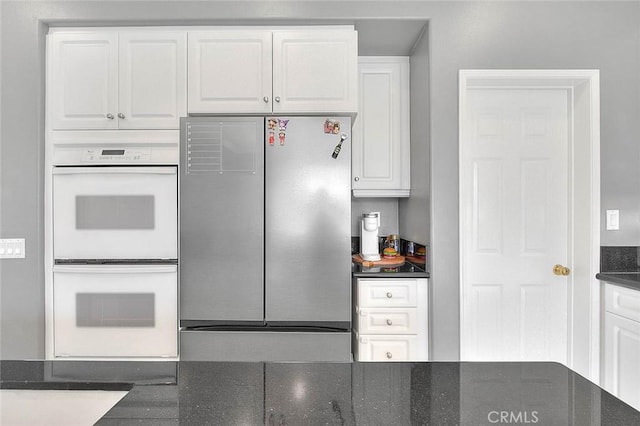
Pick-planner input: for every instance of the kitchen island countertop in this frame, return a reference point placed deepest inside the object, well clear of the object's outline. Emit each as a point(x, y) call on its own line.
point(427, 393)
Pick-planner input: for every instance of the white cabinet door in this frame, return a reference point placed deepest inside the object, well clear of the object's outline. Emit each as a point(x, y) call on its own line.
point(381, 139)
point(230, 71)
point(152, 79)
point(83, 85)
point(622, 358)
point(315, 71)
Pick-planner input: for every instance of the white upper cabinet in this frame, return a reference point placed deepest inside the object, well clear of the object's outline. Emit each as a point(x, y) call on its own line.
point(83, 83)
point(230, 71)
point(153, 80)
point(117, 80)
point(381, 132)
point(279, 71)
point(315, 71)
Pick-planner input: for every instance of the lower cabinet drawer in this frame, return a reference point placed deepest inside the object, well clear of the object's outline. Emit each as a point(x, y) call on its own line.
point(387, 348)
point(386, 321)
point(387, 293)
point(622, 301)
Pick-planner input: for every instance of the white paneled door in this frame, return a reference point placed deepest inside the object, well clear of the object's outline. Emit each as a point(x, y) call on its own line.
point(514, 169)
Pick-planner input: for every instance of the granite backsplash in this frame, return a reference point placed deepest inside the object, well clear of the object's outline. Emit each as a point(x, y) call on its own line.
point(619, 259)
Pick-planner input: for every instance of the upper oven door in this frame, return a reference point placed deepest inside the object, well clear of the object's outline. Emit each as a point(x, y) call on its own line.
point(115, 213)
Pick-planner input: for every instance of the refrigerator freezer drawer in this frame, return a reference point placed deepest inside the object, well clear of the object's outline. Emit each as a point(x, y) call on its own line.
point(265, 346)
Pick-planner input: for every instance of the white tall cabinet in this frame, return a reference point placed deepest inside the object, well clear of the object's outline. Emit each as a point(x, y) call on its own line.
point(261, 71)
point(622, 343)
point(381, 132)
point(117, 79)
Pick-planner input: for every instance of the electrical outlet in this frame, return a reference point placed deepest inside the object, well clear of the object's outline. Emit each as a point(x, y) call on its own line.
point(12, 248)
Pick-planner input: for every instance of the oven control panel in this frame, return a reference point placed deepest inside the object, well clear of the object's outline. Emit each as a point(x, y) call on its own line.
point(117, 155)
point(100, 155)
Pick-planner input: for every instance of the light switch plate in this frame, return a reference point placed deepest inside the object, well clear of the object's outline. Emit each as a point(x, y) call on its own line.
point(12, 248)
point(613, 220)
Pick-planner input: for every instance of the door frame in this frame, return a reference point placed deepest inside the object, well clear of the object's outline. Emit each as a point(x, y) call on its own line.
point(583, 90)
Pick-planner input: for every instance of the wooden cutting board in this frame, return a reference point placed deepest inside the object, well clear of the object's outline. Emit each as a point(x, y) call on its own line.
point(419, 260)
point(384, 262)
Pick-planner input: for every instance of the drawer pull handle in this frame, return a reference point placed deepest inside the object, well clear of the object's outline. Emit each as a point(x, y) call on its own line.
point(389, 355)
point(389, 322)
point(389, 295)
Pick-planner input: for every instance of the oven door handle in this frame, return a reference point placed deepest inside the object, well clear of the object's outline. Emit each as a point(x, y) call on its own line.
point(170, 170)
point(115, 269)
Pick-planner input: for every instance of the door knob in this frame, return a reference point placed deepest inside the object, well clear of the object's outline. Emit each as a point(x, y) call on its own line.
point(561, 270)
point(110, 116)
point(120, 115)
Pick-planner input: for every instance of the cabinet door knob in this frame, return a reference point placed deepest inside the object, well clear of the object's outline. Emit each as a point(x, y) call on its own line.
point(389, 355)
point(266, 100)
point(389, 322)
point(357, 179)
point(110, 116)
point(277, 98)
point(120, 115)
point(389, 295)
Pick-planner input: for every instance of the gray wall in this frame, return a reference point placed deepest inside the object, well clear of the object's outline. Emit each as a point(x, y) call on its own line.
point(414, 212)
point(602, 35)
point(388, 208)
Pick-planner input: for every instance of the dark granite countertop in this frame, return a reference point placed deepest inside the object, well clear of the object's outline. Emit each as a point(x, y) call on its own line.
point(407, 270)
point(428, 393)
point(625, 279)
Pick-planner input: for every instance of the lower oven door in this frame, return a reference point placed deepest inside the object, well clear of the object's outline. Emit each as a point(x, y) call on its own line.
point(115, 311)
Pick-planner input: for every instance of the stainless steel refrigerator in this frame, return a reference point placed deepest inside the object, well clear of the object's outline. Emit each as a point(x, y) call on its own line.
point(265, 228)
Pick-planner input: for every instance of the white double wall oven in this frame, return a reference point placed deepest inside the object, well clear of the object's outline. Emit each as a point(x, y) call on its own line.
point(114, 219)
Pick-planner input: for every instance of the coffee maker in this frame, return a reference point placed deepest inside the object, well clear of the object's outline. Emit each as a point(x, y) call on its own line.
point(369, 225)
